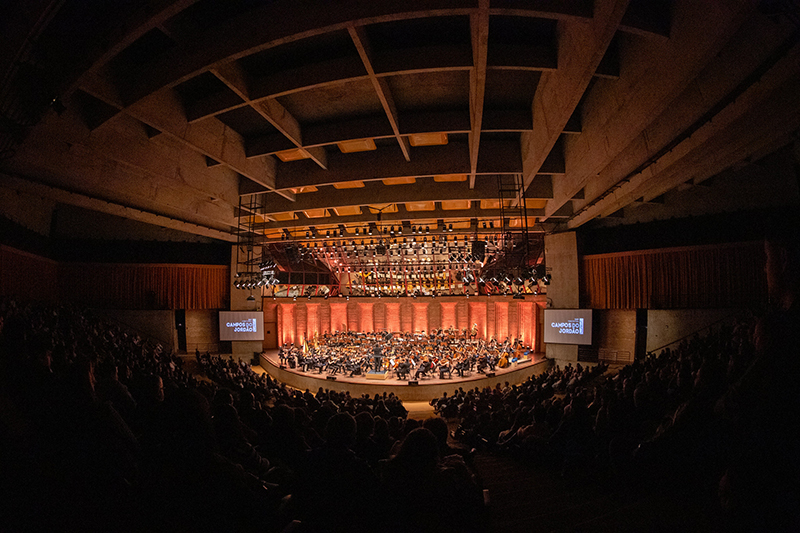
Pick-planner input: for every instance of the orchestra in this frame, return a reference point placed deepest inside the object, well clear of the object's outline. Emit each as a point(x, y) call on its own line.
point(403, 355)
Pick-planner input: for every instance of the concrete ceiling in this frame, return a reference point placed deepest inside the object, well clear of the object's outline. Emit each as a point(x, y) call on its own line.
point(180, 113)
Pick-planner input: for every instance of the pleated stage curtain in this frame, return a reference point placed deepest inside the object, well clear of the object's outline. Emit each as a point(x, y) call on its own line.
point(727, 275)
point(145, 286)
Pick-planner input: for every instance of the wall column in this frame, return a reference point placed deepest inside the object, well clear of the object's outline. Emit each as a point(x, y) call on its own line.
point(561, 254)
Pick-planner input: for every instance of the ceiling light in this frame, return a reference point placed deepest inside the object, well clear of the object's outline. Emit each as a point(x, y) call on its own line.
point(359, 145)
point(427, 139)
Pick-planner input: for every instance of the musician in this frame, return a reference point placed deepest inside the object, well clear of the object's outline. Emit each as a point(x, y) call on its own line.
point(403, 369)
point(491, 361)
point(424, 368)
point(444, 368)
point(377, 357)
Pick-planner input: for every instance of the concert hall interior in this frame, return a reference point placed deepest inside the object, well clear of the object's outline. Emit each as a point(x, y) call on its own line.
point(223, 206)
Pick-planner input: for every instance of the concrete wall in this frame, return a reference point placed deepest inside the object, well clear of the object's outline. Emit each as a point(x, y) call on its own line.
point(159, 325)
point(202, 330)
point(667, 326)
point(561, 254)
point(614, 332)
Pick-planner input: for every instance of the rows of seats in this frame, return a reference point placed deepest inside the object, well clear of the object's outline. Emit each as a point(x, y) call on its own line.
point(103, 430)
point(708, 427)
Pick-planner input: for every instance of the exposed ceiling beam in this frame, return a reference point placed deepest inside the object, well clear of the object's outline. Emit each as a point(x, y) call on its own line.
point(581, 49)
point(117, 162)
point(381, 86)
point(164, 112)
point(377, 127)
point(111, 208)
point(244, 35)
point(237, 80)
point(375, 192)
point(126, 32)
point(393, 218)
point(385, 162)
point(479, 31)
point(753, 121)
point(654, 76)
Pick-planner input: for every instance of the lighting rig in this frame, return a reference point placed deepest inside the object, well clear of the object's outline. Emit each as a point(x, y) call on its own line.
point(397, 259)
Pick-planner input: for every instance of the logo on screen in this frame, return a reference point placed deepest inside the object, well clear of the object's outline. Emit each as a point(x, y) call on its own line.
point(244, 326)
point(569, 327)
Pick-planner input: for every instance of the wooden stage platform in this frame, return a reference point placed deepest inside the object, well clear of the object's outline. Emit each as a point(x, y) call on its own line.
point(424, 390)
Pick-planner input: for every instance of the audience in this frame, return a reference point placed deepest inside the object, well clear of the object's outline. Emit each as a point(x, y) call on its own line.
point(102, 430)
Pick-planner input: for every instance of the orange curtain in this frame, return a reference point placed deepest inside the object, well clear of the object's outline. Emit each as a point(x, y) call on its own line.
point(28, 277)
point(675, 278)
point(145, 286)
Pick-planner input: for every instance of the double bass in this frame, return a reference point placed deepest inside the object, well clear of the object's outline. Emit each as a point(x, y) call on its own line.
point(503, 362)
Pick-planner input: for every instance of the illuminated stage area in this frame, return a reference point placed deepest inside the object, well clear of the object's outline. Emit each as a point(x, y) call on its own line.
point(494, 316)
point(422, 390)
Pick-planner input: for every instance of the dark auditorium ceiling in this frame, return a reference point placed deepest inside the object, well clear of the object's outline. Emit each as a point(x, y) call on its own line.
point(323, 115)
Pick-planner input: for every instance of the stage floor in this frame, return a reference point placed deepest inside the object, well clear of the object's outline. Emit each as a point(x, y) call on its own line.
point(424, 389)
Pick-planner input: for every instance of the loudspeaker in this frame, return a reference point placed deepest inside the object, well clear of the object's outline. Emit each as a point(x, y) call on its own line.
point(413, 383)
point(479, 250)
point(331, 378)
point(490, 374)
point(380, 249)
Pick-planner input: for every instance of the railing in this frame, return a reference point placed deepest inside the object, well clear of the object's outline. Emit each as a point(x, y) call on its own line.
point(615, 356)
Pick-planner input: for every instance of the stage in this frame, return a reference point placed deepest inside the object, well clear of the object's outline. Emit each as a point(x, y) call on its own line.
point(424, 390)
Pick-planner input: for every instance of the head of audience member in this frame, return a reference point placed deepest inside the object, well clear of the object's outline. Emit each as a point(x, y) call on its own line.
point(365, 424)
point(419, 451)
point(340, 432)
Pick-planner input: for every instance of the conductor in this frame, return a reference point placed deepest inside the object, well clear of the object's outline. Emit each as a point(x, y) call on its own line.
point(377, 357)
